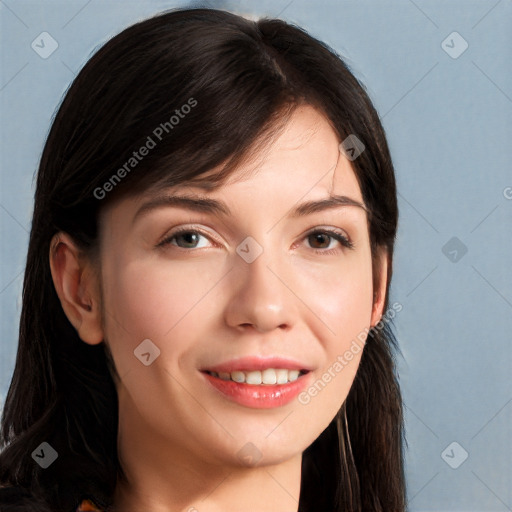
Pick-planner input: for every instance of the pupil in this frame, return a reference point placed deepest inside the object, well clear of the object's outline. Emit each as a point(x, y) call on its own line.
point(190, 238)
point(319, 237)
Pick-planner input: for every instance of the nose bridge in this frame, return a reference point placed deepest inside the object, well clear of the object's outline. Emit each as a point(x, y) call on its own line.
point(258, 297)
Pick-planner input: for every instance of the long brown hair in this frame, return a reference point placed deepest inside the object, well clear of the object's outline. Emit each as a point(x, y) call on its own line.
point(245, 77)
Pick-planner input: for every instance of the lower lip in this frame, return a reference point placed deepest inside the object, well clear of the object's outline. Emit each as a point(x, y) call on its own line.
point(259, 397)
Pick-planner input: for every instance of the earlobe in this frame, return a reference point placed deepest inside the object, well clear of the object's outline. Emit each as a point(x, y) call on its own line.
point(77, 288)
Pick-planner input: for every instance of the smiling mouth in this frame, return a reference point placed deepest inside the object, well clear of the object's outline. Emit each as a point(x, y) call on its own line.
point(269, 377)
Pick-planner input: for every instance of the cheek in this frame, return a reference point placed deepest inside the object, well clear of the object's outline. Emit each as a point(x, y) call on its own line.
point(340, 294)
point(145, 300)
point(342, 302)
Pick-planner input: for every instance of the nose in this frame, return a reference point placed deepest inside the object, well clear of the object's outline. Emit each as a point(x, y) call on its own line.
point(259, 300)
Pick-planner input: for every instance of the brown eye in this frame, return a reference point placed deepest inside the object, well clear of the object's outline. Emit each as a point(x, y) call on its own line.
point(319, 240)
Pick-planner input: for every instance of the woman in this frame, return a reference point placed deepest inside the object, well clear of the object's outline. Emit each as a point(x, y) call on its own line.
point(205, 309)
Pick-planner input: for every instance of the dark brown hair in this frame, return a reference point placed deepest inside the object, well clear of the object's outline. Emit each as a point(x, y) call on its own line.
point(245, 78)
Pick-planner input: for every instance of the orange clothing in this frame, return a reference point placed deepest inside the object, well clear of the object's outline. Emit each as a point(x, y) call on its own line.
point(87, 506)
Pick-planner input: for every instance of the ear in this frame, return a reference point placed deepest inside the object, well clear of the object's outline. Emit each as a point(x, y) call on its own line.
point(380, 279)
point(77, 287)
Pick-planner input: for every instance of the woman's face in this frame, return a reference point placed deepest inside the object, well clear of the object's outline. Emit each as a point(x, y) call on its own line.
point(242, 288)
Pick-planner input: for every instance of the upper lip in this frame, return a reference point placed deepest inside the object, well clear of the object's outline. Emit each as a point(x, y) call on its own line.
point(253, 363)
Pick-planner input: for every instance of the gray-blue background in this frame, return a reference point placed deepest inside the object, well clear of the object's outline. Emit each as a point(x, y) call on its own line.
point(449, 125)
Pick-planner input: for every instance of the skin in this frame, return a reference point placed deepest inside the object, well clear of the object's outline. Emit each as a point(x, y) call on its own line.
point(179, 439)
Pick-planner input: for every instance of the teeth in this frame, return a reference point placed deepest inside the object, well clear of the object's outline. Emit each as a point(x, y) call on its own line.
point(253, 377)
point(293, 375)
point(269, 376)
point(238, 376)
point(282, 376)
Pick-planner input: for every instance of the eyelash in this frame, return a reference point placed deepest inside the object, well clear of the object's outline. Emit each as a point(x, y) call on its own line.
point(340, 237)
point(337, 235)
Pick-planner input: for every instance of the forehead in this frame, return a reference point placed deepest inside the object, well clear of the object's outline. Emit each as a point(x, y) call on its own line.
point(303, 162)
point(305, 155)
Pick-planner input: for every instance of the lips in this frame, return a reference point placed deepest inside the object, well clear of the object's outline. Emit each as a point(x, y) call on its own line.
point(253, 363)
point(258, 382)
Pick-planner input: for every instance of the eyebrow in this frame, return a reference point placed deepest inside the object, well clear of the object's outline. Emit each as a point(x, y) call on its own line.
point(213, 206)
